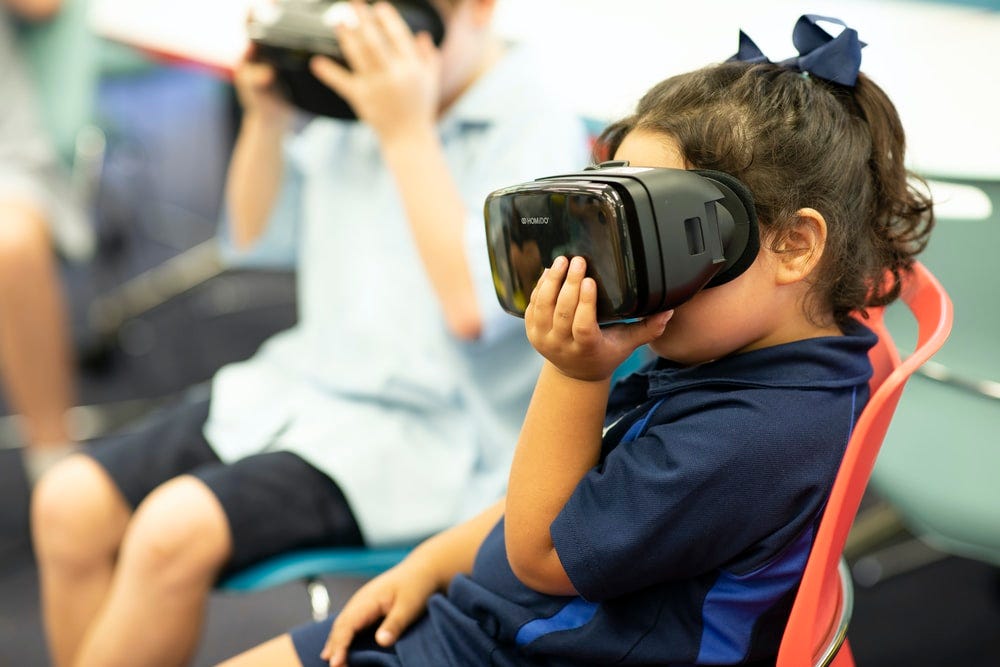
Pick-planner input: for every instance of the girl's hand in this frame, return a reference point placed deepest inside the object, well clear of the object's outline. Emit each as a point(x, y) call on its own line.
point(255, 88)
point(398, 596)
point(394, 80)
point(561, 323)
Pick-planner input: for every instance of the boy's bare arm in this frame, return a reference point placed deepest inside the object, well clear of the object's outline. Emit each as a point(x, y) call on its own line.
point(437, 218)
point(394, 84)
point(257, 164)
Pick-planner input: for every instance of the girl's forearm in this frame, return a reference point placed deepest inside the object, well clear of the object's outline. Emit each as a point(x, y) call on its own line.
point(453, 551)
point(560, 442)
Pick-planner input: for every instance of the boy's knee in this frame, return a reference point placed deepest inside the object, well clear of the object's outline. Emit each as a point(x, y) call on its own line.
point(179, 534)
point(76, 511)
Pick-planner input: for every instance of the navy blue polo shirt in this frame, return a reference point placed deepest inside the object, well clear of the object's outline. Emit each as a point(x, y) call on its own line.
point(687, 541)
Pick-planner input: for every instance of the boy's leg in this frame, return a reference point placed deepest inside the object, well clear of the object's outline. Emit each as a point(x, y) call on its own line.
point(81, 511)
point(186, 532)
point(36, 362)
point(171, 555)
point(78, 520)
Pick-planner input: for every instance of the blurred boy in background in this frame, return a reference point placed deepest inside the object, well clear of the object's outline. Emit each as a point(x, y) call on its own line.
point(391, 410)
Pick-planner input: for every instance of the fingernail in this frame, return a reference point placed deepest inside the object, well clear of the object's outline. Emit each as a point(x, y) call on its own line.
point(384, 637)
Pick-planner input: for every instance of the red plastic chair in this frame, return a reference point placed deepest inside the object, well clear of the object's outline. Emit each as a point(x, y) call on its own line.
point(816, 633)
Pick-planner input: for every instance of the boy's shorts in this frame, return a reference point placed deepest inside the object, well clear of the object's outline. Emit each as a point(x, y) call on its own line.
point(274, 501)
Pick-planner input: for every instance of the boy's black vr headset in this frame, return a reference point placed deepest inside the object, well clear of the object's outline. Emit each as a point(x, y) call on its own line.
point(652, 237)
point(287, 33)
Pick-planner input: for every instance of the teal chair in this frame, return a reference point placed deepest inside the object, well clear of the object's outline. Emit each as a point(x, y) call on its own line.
point(936, 479)
point(309, 566)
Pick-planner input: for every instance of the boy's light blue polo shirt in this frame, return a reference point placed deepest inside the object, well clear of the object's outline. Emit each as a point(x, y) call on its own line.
point(415, 426)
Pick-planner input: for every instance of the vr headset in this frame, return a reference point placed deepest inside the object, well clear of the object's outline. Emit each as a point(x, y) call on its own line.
point(287, 33)
point(652, 237)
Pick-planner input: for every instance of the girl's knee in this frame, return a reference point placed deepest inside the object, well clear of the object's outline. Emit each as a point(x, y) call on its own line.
point(77, 512)
point(178, 535)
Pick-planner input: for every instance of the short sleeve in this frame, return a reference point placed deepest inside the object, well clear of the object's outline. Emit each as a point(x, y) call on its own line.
point(277, 246)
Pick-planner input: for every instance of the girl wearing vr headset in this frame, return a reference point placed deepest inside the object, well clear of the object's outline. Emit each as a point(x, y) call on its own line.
point(668, 520)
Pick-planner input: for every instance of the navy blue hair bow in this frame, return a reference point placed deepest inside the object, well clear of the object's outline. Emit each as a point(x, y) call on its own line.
point(836, 59)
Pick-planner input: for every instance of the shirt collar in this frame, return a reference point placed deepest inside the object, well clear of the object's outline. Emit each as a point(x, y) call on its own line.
point(825, 362)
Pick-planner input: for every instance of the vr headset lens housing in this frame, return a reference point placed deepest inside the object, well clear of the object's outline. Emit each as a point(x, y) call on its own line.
point(652, 237)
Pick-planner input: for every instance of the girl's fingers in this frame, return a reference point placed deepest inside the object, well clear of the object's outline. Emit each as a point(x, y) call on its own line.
point(569, 297)
point(547, 289)
point(646, 331)
point(585, 321)
point(401, 615)
point(351, 619)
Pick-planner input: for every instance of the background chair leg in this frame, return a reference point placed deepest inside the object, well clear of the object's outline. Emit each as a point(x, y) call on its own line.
point(894, 560)
point(873, 528)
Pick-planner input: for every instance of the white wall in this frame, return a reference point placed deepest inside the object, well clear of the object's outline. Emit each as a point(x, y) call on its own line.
point(940, 63)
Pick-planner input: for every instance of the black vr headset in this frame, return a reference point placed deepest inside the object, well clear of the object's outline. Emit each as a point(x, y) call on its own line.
point(287, 33)
point(652, 237)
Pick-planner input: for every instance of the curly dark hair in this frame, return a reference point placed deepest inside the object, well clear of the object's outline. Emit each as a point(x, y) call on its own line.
point(799, 141)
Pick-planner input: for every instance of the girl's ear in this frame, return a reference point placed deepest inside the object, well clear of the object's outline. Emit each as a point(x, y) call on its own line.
point(799, 250)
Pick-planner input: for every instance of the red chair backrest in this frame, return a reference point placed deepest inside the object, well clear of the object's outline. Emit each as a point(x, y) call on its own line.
point(818, 601)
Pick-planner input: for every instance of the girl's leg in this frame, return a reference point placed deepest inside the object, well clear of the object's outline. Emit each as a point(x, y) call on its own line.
point(278, 652)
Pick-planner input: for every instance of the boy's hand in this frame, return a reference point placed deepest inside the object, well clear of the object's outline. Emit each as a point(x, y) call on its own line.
point(255, 87)
point(399, 596)
point(561, 323)
point(394, 80)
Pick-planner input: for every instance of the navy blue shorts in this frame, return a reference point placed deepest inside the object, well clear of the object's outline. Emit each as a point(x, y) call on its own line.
point(274, 502)
point(309, 640)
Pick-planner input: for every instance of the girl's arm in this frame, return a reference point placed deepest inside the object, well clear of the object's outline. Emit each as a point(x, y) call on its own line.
point(561, 437)
point(400, 595)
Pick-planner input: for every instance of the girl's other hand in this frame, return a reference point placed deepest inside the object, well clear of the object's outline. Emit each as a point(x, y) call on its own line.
point(399, 597)
point(561, 323)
